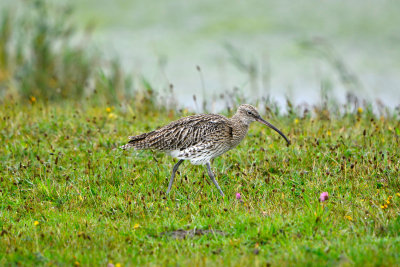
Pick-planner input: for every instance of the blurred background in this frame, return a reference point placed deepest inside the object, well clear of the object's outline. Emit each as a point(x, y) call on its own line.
point(298, 50)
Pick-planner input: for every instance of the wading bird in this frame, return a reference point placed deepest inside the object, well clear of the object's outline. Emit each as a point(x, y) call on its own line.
point(200, 138)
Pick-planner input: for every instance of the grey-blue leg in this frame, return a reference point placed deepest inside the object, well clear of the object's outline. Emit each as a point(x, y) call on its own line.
point(176, 166)
point(211, 174)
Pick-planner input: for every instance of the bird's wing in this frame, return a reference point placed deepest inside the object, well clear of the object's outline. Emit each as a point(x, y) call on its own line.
point(186, 132)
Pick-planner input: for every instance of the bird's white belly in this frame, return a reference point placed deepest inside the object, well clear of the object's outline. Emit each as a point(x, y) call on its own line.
point(201, 153)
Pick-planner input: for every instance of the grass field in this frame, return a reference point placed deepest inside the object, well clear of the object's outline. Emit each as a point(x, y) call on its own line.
point(69, 196)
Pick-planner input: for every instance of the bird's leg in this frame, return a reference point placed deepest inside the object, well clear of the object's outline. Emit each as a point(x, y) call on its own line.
point(176, 166)
point(211, 174)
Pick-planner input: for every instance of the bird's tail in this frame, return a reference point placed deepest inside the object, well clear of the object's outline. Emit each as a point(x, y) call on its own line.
point(138, 141)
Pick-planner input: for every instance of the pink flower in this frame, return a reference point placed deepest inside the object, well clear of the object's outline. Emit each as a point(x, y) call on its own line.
point(323, 197)
point(238, 196)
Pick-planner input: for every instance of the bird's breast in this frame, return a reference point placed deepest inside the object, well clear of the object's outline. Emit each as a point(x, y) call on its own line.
point(238, 133)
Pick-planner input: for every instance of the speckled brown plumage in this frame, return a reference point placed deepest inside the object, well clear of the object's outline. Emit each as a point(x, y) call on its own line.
point(199, 138)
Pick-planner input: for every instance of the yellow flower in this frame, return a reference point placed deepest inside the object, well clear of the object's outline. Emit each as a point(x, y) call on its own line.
point(76, 263)
point(112, 116)
point(328, 133)
point(296, 121)
point(398, 194)
point(166, 208)
point(80, 197)
point(348, 218)
point(108, 109)
point(118, 265)
point(360, 110)
point(136, 226)
point(32, 99)
point(386, 206)
point(382, 207)
point(271, 146)
point(36, 223)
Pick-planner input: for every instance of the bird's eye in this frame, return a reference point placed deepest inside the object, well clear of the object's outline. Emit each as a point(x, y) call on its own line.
point(249, 113)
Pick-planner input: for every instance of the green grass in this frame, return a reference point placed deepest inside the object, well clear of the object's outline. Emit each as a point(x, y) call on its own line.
point(93, 204)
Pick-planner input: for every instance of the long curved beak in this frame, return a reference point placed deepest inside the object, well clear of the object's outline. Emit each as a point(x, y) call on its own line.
point(261, 120)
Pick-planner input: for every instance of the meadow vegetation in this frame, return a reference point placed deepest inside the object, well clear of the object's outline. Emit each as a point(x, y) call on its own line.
point(42, 53)
point(70, 196)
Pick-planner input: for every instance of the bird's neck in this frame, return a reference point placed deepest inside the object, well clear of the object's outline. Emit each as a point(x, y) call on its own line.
point(240, 128)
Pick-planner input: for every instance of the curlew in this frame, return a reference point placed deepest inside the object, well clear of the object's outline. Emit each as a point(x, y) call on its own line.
point(200, 138)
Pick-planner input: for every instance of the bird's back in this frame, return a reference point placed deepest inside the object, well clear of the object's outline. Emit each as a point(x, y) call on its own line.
point(184, 133)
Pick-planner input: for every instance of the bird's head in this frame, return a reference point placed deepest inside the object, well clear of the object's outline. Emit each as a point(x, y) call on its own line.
point(249, 114)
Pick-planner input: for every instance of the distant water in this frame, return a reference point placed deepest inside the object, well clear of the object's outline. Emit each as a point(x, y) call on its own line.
point(260, 47)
